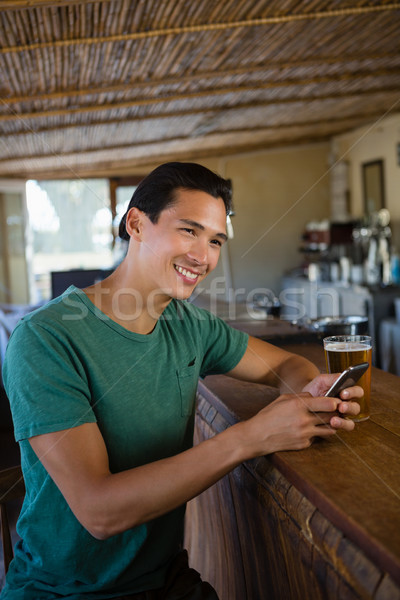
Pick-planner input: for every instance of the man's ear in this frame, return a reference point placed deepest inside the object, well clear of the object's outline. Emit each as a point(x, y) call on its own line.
point(134, 223)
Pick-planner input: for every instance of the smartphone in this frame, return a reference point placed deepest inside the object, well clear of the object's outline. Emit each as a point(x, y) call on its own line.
point(348, 378)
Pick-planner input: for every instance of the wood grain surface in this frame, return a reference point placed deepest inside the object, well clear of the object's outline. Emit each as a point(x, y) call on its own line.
point(317, 523)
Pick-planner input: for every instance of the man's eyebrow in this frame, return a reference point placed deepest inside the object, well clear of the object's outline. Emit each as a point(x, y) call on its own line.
point(223, 236)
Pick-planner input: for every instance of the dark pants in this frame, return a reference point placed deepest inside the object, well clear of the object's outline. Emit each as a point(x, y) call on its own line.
point(182, 583)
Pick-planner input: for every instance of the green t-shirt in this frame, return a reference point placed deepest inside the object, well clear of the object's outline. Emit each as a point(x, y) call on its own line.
point(68, 364)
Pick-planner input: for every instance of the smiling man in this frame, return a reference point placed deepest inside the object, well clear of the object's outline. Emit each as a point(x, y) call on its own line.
point(102, 385)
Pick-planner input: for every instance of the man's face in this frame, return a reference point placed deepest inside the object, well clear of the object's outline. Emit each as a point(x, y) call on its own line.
point(183, 247)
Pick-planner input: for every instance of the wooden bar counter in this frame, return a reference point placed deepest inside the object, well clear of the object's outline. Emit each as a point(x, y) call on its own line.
point(309, 525)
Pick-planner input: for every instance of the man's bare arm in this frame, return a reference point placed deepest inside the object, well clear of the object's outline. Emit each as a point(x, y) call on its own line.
point(265, 363)
point(108, 503)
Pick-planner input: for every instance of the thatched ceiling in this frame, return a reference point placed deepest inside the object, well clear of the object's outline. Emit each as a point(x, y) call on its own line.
point(96, 88)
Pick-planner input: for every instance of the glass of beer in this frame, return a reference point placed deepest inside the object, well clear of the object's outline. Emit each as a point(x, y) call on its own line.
point(342, 351)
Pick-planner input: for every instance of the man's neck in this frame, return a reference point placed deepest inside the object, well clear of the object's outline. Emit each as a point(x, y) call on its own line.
point(129, 307)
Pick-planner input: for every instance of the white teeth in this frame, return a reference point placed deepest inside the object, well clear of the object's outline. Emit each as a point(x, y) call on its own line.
point(186, 273)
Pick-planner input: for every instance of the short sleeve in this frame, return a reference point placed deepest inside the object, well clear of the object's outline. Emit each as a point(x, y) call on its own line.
point(45, 382)
point(224, 347)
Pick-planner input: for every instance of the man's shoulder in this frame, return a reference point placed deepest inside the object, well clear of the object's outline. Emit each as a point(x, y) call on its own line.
point(51, 316)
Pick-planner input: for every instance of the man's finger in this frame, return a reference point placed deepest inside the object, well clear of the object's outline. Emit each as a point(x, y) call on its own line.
point(349, 408)
point(355, 391)
point(340, 423)
point(322, 404)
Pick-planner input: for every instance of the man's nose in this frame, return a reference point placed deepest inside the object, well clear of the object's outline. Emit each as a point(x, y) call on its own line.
point(199, 251)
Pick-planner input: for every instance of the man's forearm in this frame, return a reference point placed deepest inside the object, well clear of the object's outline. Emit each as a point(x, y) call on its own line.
point(270, 365)
point(108, 503)
point(294, 374)
point(144, 493)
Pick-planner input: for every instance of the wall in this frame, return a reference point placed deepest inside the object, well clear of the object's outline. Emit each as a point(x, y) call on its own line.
point(276, 193)
point(376, 141)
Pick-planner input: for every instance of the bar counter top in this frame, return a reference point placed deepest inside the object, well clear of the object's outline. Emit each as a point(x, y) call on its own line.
point(348, 486)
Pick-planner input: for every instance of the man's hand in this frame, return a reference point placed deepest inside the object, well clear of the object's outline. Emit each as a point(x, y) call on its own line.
point(292, 421)
point(321, 384)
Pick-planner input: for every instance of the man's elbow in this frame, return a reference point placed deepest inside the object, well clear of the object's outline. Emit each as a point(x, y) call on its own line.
point(105, 525)
point(96, 525)
point(99, 533)
point(100, 513)
point(100, 528)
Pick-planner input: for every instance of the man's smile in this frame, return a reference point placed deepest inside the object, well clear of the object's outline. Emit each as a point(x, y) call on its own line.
point(192, 275)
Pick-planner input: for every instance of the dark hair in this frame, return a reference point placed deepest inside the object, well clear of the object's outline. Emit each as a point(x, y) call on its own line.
point(157, 191)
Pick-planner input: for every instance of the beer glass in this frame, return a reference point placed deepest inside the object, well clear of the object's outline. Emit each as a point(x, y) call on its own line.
point(342, 351)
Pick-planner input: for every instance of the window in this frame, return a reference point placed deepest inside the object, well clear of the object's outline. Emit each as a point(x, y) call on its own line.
point(14, 272)
point(70, 227)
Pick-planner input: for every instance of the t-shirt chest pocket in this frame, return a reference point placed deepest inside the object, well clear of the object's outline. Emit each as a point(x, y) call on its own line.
point(187, 381)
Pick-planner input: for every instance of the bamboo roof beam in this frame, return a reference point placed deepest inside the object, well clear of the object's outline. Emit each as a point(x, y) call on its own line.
point(173, 31)
point(188, 96)
point(359, 74)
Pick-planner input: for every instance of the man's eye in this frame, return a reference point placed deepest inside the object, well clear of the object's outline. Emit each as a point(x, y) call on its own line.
point(187, 230)
point(216, 242)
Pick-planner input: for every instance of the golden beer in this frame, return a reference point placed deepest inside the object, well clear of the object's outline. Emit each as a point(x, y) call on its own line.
point(344, 351)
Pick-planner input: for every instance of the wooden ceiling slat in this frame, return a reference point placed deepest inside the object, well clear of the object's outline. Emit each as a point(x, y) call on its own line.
point(93, 144)
point(218, 26)
point(137, 17)
point(179, 75)
point(63, 72)
point(82, 24)
point(3, 40)
point(125, 69)
point(9, 28)
point(270, 44)
point(55, 23)
point(44, 73)
point(84, 77)
point(147, 19)
point(163, 58)
point(214, 9)
point(96, 64)
point(72, 20)
point(174, 11)
point(42, 29)
point(325, 131)
point(360, 77)
point(110, 55)
point(164, 14)
point(229, 42)
point(345, 61)
point(233, 9)
point(107, 16)
point(23, 27)
point(30, 4)
point(47, 25)
point(131, 144)
point(12, 71)
point(197, 12)
point(170, 99)
point(121, 18)
point(124, 120)
point(95, 18)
